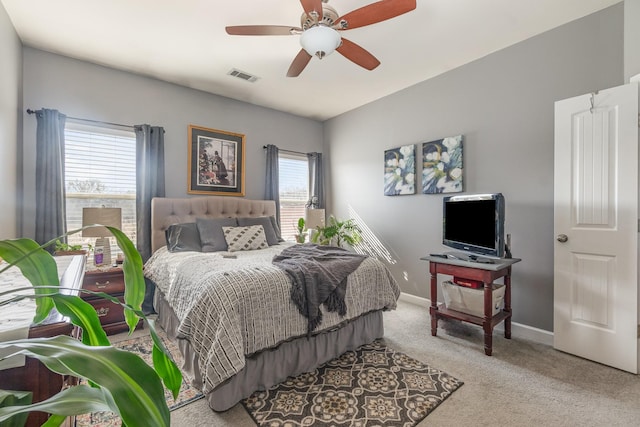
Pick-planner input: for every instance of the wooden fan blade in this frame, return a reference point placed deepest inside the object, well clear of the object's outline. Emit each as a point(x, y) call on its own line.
point(262, 30)
point(357, 55)
point(299, 63)
point(311, 5)
point(375, 12)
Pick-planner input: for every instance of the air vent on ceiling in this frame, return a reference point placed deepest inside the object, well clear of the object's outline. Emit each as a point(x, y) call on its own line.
point(242, 75)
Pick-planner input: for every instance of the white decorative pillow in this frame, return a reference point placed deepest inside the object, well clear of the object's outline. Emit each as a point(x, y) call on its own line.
point(245, 238)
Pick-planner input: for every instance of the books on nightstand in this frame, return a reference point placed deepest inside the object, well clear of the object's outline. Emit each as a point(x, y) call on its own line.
point(468, 283)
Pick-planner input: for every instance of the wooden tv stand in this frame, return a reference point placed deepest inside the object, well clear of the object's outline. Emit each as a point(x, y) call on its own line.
point(487, 274)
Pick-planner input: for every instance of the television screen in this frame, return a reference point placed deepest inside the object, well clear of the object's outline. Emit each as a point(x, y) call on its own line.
point(474, 223)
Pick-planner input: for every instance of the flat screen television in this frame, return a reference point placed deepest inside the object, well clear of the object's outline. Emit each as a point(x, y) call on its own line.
point(474, 224)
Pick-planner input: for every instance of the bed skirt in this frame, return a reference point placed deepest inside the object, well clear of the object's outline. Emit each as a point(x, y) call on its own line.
point(270, 367)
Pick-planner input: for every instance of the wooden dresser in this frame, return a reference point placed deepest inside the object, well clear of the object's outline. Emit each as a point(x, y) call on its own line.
point(34, 376)
point(109, 281)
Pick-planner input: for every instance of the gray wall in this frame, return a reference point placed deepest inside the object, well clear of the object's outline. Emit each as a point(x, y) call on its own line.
point(631, 39)
point(503, 105)
point(10, 123)
point(80, 89)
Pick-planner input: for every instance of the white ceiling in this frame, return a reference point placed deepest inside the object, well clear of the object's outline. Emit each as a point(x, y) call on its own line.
point(185, 42)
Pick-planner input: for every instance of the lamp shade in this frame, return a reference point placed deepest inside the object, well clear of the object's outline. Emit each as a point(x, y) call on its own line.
point(103, 216)
point(314, 218)
point(320, 41)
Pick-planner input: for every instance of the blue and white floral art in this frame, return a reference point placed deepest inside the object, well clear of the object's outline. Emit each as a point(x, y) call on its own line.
point(400, 171)
point(442, 166)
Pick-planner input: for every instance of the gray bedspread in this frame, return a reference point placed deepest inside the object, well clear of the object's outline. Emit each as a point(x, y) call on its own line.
point(318, 276)
point(230, 308)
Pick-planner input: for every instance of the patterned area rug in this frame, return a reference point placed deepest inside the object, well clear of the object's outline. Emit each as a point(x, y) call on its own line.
point(142, 346)
point(371, 386)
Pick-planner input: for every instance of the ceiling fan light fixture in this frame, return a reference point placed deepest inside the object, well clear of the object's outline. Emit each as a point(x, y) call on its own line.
point(320, 41)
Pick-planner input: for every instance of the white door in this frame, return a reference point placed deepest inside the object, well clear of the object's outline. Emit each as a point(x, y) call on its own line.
point(596, 227)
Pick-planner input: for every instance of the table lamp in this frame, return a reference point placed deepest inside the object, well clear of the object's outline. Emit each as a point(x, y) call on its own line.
point(103, 216)
point(313, 218)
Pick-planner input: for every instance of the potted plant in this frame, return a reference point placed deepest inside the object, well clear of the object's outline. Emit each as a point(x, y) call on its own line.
point(63, 248)
point(300, 231)
point(338, 232)
point(119, 381)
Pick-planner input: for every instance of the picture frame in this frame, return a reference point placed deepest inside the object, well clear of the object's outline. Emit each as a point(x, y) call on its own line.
point(215, 162)
point(442, 165)
point(400, 171)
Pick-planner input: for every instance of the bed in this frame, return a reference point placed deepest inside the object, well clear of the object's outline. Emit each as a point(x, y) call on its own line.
point(232, 313)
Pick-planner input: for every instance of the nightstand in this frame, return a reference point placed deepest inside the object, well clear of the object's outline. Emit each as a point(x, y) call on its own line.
point(109, 281)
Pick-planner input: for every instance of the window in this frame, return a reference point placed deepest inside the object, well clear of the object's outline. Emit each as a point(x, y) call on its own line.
point(294, 191)
point(100, 170)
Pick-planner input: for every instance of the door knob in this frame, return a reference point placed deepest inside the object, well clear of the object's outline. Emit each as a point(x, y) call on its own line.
point(562, 238)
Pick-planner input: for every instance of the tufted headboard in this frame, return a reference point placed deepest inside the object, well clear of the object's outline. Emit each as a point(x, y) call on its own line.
point(167, 211)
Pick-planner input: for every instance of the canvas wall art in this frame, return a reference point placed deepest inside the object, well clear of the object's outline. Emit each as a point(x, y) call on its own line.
point(400, 171)
point(442, 166)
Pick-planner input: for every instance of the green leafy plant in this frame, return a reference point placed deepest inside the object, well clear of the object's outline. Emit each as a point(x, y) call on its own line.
point(65, 247)
point(119, 381)
point(338, 232)
point(300, 236)
point(15, 398)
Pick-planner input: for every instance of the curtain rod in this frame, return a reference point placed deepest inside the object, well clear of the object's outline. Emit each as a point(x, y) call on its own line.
point(288, 151)
point(30, 111)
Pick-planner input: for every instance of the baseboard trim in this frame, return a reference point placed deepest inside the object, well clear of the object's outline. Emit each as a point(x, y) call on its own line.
point(517, 329)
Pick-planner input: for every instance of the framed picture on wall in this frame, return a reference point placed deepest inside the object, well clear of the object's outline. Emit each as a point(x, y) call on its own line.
point(442, 166)
point(216, 162)
point(400, 171)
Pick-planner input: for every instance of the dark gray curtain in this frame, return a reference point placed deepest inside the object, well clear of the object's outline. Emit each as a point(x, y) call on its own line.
point(272, 190)
point(149, 181)
point(316, 181)
point(50, 189)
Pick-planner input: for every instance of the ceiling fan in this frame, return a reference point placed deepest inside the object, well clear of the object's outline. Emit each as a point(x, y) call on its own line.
point(319, 28)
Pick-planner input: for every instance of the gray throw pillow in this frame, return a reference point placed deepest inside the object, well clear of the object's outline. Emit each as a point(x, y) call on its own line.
point(276, 227)
point(265, 222)
point(183, 237)
point(211, 236)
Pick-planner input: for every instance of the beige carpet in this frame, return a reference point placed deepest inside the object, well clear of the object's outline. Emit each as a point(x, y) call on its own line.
point(522, 384)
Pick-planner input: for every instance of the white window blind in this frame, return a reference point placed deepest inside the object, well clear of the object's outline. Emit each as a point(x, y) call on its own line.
point(100, 170)
point(294, 191)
